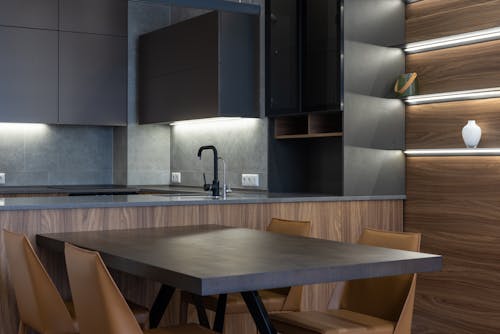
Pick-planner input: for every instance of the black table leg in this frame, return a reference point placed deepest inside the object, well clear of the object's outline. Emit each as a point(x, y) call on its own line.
point(160, 305)
point(202, 312)
point(220, 313)
point(258, 312)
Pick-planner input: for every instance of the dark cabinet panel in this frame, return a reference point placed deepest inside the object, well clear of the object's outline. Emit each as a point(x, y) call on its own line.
point(107, 17)
point(189, 94)
point(304, 56)
point(203, 67)
point(321, 67)
point(30, 13)
point(92, 79)
point(28, 68)
point(192, 43)
point(283, 88)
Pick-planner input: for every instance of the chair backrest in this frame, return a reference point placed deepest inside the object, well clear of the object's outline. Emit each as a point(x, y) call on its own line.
point(39, 303)
point(99, 304)
point(295, 228)
point(385, 297)
point(289, 227)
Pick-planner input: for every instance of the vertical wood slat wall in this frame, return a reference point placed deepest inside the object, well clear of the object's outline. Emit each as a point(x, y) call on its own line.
point(455, 201)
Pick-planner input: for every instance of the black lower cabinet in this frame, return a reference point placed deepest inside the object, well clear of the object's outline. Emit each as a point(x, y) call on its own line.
point(92, 79)
point(28, 69)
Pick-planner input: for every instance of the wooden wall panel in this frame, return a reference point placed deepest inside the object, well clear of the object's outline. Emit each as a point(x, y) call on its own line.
point(453, 201)
point(440, 125)
point(331, 220)
point(439, 18)
point(461, 68)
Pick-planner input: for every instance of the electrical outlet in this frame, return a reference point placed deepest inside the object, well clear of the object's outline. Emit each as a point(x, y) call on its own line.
point(176, 177)
point(2, 178)
point(250, 180)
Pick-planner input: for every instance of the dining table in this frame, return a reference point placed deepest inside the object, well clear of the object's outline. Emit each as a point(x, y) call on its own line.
point(208, 260)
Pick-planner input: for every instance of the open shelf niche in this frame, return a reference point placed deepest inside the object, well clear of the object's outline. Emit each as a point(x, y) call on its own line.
point(311, 125)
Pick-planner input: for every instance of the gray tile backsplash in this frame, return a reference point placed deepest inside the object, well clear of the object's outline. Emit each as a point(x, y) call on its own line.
point(142, 152)
point(53, 155)
point(242, 143)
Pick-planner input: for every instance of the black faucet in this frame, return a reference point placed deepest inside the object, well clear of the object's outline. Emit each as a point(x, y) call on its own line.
point(215, 183)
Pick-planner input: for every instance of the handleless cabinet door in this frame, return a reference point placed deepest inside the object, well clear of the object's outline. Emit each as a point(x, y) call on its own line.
point(283, 57)
point(106, 17)
point(92, 79)
point(28, 75)
point(42, 14)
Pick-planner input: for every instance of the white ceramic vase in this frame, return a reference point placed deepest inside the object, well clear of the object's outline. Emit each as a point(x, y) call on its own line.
point(471, 133)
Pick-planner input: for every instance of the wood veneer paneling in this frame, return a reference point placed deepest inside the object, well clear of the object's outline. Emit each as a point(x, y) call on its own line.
point(331, 220)
point(453, 201)
point(461, 68)
point(439, 18)
point(440, 125)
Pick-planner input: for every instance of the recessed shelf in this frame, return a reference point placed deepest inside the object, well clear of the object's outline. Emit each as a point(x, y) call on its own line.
point(467, 38)
point(310, 125)
point(476, 94)
point(453, 152)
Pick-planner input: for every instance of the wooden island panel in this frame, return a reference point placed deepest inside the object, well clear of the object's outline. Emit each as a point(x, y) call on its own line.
point(341, 221)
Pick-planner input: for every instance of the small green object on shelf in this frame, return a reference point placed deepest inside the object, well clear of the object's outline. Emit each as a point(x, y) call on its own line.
point(406, 85)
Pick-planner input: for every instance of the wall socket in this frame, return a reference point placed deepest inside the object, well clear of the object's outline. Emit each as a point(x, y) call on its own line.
point(2, 178)
point(250, 180)
point(176, 177)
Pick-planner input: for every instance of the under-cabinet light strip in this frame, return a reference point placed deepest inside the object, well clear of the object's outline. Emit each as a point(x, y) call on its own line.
point(478, 36)
point(206, 120)
point(476, 94)
point(453, 152)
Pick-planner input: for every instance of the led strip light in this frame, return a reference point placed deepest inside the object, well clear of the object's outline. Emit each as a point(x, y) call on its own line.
point(454, 40)
point(476, 94)
point(453, 152)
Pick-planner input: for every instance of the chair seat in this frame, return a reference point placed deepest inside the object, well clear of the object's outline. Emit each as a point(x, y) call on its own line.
point(182, 329)
point(330, 322)
point(273, 302)
point(141, 313)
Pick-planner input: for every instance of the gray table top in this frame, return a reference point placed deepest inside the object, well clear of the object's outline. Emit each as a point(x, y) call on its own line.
point(213, 259)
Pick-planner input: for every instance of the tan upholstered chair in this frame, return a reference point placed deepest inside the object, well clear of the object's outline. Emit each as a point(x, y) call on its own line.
point(276, 300)
point(376, 306)
point(99, 304)
point(40, 304)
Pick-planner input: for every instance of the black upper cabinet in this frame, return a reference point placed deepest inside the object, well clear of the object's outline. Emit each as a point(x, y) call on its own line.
point(105, 17)
point(28, 67)
point(41, 14)
point(203, 67)
point(304, 48)
point(92, 79)
point(283, 53)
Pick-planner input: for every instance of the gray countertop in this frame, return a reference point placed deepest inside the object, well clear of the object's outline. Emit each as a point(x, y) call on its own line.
point(115, 201)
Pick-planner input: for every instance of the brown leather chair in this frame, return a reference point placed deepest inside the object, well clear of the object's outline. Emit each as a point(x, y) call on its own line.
point(376, 306)
point(99, 304)
point(40, 304)
point(275, 300)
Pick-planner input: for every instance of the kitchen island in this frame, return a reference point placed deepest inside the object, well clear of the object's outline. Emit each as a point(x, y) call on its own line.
point(333, 218)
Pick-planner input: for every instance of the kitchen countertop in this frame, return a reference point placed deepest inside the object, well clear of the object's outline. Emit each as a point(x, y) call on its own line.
point(116, 201)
